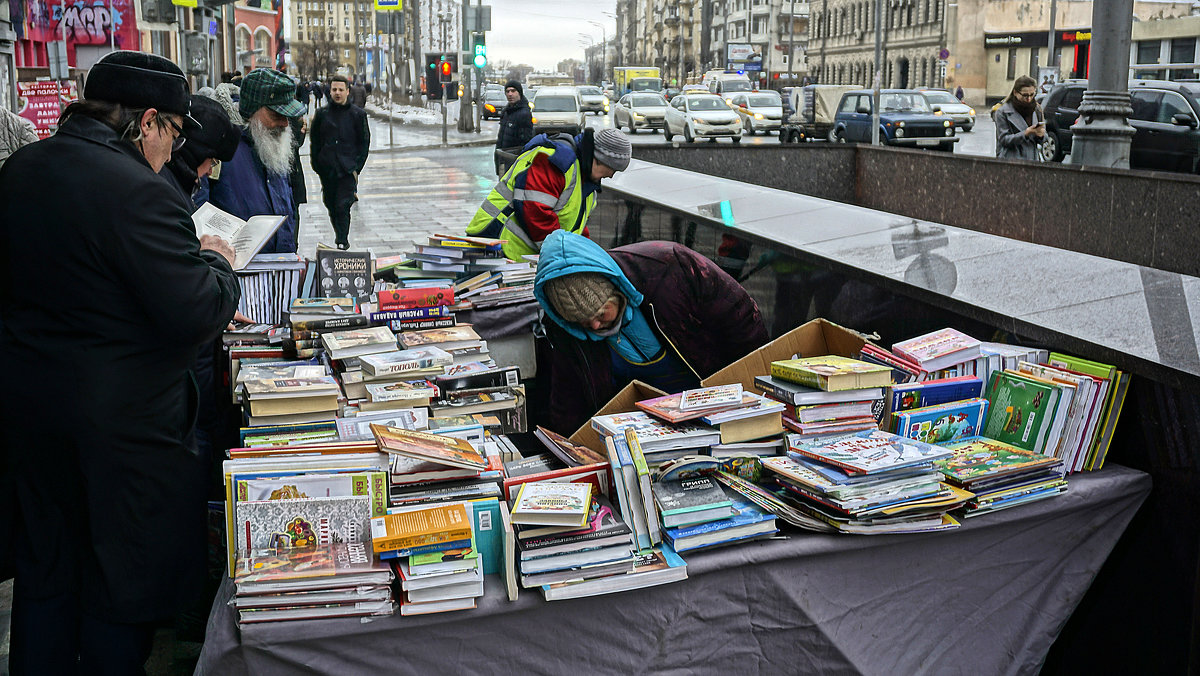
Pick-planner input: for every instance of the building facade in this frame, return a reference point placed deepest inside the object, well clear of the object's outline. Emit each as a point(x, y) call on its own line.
point(1165, 49)
point(766, 39)
point(841, 45)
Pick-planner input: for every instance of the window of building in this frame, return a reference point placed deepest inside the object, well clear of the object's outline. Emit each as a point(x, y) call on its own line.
point(328, 21)
point(760, 25)
point(1148, 74)
point(346, 22)
point(1183, 50)
point(1034, 56)
point(345, 53)
point(1012, 65)
point(1147, 51)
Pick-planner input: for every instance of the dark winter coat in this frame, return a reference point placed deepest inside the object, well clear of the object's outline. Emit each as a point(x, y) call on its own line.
point(1011, 141)
point(245, 189)
point(692, 306)
point(358, 95)
point(97, 402)
point(299, 190)
point(340, 140)
point(516, 125)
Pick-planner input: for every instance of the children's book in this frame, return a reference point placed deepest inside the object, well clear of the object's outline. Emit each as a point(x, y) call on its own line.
point(552, 504)
point(654, 434)
point(1022, 411)
point(943, 423)
point(939, 349)
point(980, 459)
point(711, 397)
point(872, 451)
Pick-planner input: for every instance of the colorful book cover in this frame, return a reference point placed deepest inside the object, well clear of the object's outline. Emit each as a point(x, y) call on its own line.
point(907, 396)
point(937, 347)
point(552, 504)
point(746, 514)
point(331, 305)
point(981, 458)
point(832, 373)
point(710, 397)
point(302, 522)
point(689, 495)
point(453, 334)
point(569, 452)
point(448, 525)
point(371, 484)
point(321, 561)
point(799, 395)
point(408, 298)
point(344, 273)
point(943, 423)
point(339, 341)
point(654, 434)
point(432, 447)
point(872, 451)
point(1021, 412)
point(669, 407)
point(402, 361)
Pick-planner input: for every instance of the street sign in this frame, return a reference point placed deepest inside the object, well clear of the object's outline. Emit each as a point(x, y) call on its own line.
point(185, 3)
point(477, 19)
point(389, 5)
point(944, 54)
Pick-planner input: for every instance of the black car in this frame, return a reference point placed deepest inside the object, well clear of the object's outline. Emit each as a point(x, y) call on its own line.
point(1165, 115)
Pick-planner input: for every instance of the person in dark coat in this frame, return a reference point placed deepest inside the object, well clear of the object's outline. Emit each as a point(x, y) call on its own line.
point(1020, 123)
point(358, 94)
point(341, 141)
point(257, 181)
point(516, 123)
point(299, 127)
point(97, 400)
point(318, 92)
point(652, 311)
point(215, 142)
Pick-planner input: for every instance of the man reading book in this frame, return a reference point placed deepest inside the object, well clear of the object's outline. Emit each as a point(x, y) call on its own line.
point(103, 521)
point(652, 311)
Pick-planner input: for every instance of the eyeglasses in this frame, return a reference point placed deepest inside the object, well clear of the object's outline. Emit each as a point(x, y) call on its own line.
point(179, 138)
point(1026, 95)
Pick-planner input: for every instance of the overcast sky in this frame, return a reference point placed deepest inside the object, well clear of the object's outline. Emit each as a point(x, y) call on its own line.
point(543, 32)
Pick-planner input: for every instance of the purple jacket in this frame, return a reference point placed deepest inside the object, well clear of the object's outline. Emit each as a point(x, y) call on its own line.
point(691, 303)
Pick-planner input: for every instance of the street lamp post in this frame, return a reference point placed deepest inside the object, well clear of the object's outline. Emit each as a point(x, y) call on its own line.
point(591, 42)
point(603, 47)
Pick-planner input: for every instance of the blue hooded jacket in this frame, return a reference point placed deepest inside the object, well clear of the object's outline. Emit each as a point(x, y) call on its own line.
point(564, 253)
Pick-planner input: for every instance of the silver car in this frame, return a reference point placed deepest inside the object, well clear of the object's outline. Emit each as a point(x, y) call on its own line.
point(945, 103)
point(760, 111)
point(702, 116)
point(592, 99)
point(644, 110)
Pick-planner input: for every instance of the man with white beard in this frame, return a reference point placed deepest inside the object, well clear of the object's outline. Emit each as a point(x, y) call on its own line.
point(256, 181)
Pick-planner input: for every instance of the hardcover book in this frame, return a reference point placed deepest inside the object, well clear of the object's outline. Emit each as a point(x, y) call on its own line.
point(448, 525)
point(333, 485)
point(566, 450)
point(276, 388)
point(660, 565)
point(832, 373)
point(907, 396)
point(1022, 411)
point(799, 395)
point(302, 522)
point(552, 504)
point(653, 434)
point(344, 273)
point(409, 298)
point(689, 495)
point(711, 397)
point(979, 459)
point(669, 407)
point(937, 350)
point(321, 305)
point(454, 334)
point(943, 423)
point(872, 451)
point(404, 361)
point(405, 390)
point(322, 564)
point(431, 447)
point(355, 342)
point(747, 521)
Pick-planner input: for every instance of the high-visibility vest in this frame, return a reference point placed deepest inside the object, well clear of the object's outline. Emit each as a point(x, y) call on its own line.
point(494, 217)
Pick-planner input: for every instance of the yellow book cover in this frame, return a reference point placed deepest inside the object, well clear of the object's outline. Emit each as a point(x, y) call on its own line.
point(832, 373)
point(408, 530)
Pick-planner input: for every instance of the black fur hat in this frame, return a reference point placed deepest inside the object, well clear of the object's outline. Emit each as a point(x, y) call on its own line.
point(218, 138)
point(141, 80)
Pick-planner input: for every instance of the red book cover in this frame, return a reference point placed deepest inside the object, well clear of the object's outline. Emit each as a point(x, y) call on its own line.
point(404, 299)
point(595, 474)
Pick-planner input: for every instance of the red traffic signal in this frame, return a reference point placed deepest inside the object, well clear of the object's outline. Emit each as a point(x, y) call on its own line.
point(445, 71)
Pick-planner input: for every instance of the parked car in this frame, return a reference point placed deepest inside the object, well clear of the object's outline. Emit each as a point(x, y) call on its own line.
point(494, 101)
point(696, 116)
point(947, 104)
point(814, 107)
point(905, 119)
point(557, 109)
point(1166, 135)
point(760, 111)
point(643, 110)
point(592, 99)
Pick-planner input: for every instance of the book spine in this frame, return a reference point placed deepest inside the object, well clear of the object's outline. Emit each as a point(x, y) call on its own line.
point(406, 299)
point(792, 375)
point(333, 322)
point(406, 325)
point(643, 472)
point(410, 314)
point(424, 549)
point(776, 393)
point(402, 543)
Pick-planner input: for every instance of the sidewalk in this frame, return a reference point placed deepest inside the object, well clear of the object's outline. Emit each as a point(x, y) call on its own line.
point(422, 127)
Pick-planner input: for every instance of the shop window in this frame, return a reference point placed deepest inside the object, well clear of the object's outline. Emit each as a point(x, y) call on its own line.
point(1035, 55)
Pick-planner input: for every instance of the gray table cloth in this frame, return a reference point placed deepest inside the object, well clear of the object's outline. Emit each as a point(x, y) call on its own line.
point(987, 598)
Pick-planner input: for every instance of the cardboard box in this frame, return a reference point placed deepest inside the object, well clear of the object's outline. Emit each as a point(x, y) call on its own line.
point(623, 402)
point(816, 338)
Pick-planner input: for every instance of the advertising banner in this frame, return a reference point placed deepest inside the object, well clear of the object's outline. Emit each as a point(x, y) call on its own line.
point(39, 102)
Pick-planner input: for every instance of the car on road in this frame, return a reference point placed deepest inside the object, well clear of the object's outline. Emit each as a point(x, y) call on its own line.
point(592, 99)
point(643, 110)
point(696, 116)
point(947, 104)
point(494, 101)
point(1166, 134)
point(557, 109)
point(760, 111)
point(905, 119)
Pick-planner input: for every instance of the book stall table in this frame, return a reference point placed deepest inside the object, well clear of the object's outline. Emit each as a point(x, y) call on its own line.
point(989, 597)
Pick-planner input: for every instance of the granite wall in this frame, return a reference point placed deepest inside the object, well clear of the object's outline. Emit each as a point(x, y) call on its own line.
point(1142, 217)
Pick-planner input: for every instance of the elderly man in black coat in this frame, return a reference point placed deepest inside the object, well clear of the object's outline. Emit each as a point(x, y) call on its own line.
point(105, 295)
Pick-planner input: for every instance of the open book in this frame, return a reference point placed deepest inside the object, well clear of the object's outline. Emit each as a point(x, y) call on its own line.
point(246, 237)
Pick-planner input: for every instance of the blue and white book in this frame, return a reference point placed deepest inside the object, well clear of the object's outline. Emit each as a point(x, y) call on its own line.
point(748, 521)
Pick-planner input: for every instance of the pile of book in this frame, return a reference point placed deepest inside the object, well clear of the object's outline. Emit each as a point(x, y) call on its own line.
point(827, 395)
point(474, 269)
point(999, 475)
point(308, 583)
point(698, 512)
point(565, 533)
point(269, 283)
point(738, 416)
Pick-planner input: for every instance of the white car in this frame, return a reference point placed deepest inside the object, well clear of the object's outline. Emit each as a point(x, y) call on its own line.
point(945, 103)
point(557, 109)
point(696, 116)
point(644, 110)
point(592, 99)
point(760, 111)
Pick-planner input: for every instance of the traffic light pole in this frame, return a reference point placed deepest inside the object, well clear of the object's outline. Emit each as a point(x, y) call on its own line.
point(445, 86)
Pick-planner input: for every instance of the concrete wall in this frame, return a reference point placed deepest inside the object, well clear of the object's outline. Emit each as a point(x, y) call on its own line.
point(1147, 218)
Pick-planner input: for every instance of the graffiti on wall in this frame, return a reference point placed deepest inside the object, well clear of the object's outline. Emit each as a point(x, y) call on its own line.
point(86, 22)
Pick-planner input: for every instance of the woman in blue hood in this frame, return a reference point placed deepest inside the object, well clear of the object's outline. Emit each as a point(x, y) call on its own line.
point(652, 311)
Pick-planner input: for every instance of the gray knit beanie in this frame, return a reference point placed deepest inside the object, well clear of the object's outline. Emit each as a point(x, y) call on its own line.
point(612, 148)
point(578, 297)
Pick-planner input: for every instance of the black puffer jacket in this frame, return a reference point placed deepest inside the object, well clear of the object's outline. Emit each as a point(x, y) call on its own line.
point(516, 125)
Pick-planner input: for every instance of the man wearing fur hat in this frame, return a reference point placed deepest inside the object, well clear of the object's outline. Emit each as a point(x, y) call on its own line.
point(103, 514)
point(257, 181)
point(215, 143)
point(551, 186)
point(652, 311)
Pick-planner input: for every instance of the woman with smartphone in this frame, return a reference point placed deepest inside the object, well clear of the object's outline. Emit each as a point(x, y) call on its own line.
point(1020, 123)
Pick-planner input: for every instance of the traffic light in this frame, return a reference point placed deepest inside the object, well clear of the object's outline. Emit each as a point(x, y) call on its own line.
point(480, 50)
point(445, 72)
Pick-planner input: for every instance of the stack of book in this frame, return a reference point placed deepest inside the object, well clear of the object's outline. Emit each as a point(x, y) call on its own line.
point(414, 308)
point(485, 278)
point(440, 581)
point(323, 581)
point(942, 423)
point(443, 529)
point(468, 352)
point(306, 343)
point(288, 434)
point(739, 416)
point(659, 441)
point(908, 396)
point(423, 459)
point(827, 395)
point(273, 401)
point(1000, 475)
point(493, 392)
point(391, 379)
point(743, 521)
point(868, 482)
point(270, 282)
point(939, 350)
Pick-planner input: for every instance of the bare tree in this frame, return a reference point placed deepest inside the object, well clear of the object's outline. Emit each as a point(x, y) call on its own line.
point(319, 58)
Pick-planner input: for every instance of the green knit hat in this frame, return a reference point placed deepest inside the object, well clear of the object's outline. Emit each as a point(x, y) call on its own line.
point(270, 88)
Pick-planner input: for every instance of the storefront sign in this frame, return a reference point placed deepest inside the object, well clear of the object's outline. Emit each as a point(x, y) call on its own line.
point(1036, 38)
point(41, 103)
